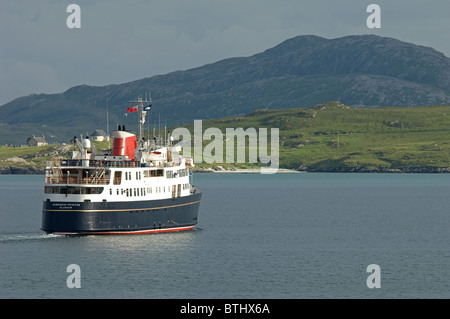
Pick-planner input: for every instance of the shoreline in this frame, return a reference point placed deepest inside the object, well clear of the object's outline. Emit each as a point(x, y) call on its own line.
point(244, 170)
point(12, 170)
point(419, 170)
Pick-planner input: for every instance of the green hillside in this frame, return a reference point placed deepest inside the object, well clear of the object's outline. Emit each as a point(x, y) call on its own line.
point(336, 137)
point(32, 160)
point(328, 137)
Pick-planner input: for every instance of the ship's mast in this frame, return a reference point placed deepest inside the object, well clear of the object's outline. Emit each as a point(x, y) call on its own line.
point(142, 113)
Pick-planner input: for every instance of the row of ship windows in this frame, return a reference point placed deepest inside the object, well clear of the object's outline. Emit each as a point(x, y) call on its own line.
point(179, 173)
point(154, 173)
point(72, 190)
point(143, 191)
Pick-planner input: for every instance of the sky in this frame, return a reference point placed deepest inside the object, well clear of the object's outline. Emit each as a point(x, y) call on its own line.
point(121, 41)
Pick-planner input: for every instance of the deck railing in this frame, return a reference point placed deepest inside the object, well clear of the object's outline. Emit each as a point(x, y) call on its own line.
point(76, 180)
point(95, 163)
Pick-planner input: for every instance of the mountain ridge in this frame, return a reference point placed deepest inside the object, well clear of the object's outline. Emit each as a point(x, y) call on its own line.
point(357, 70)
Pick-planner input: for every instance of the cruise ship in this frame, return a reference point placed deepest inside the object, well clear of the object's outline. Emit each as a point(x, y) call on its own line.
point(139, 186)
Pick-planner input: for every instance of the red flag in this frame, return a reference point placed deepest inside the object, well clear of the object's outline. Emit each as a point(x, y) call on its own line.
point(133, 109)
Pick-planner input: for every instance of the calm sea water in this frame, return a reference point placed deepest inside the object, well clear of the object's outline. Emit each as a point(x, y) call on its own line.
point(259, 236)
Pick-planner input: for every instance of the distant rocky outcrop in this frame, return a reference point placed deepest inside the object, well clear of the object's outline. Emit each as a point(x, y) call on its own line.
point(21, 170)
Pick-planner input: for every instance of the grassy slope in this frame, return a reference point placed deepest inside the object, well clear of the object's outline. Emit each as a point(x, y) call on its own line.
point(331, 137)
point(37, 156)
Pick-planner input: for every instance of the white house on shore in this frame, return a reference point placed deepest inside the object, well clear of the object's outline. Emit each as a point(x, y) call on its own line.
point(37, 141)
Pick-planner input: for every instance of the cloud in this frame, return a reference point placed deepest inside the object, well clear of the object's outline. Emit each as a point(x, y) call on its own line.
point(25, 77)
point(124, 41)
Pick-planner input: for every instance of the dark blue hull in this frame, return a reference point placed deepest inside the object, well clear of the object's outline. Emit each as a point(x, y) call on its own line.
point(75, 218)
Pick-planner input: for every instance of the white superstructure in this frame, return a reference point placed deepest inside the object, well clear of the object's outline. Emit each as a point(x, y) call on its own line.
point(131, 171)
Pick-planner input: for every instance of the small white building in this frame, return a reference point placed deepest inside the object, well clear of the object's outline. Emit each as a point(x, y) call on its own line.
point(99, 136)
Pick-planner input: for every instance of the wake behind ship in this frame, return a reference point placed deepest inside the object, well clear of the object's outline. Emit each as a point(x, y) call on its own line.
point(139, 187)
